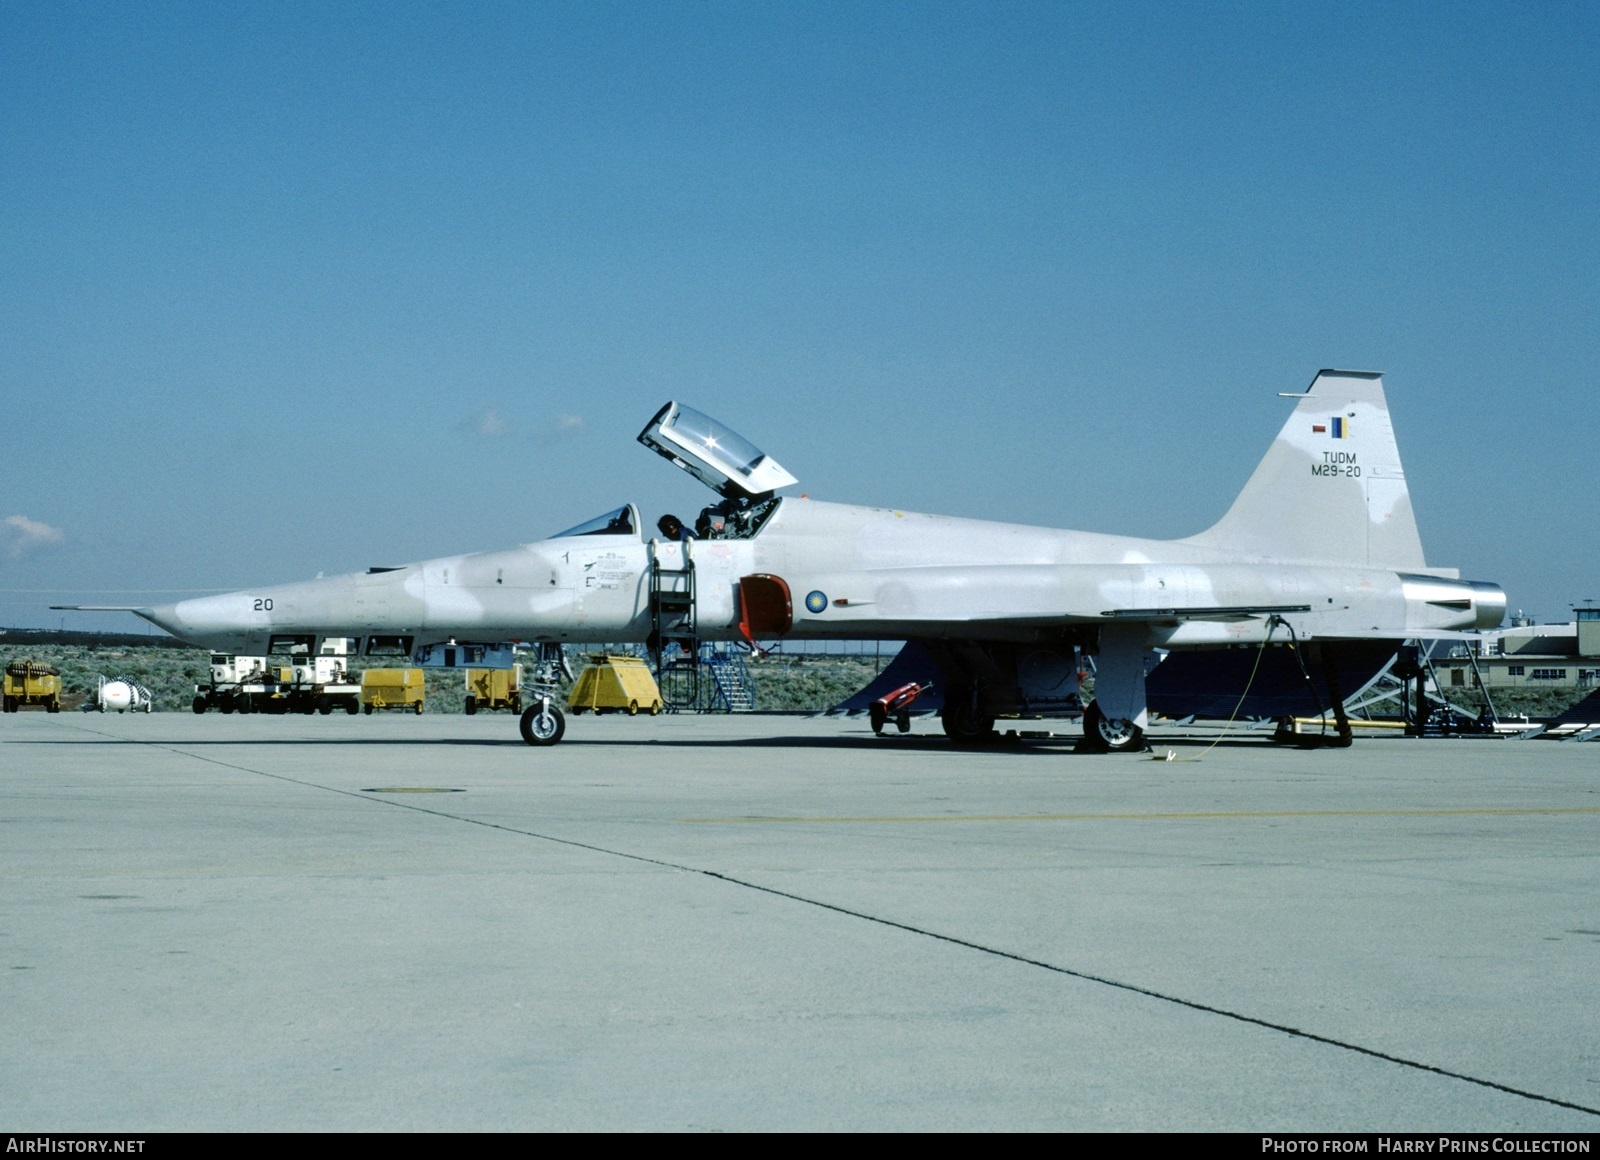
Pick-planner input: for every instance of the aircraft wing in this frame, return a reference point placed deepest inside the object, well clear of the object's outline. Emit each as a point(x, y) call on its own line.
point(1235, 613)
point(1186, 604)
point(1030, 596)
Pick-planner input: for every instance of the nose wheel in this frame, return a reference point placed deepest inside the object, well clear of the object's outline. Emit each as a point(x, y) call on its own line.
point(542, 724)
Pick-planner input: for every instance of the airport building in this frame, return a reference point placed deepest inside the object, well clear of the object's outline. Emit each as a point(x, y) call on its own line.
point(1529, 656)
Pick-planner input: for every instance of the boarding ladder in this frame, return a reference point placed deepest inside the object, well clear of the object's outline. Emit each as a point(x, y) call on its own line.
point(674, 635)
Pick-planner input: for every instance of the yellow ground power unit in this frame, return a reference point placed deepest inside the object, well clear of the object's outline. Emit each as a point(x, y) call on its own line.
point(615, 684)
point(392, 689)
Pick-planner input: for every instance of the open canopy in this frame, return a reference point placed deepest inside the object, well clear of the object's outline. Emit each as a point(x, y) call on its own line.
point(717, 456)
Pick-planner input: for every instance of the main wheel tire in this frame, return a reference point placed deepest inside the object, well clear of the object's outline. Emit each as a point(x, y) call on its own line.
point(964, 725)
point(1110, 734)
point(470, 706)
point(541, 726)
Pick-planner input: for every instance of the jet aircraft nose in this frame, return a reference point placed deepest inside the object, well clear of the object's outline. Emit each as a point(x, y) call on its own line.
point(212, 622)
point(171, 618)
point(163, 616)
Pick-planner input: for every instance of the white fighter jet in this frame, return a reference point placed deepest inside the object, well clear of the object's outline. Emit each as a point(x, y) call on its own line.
point(1318, 554)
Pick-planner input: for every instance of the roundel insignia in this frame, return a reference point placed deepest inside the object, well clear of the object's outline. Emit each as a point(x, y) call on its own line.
point(816, 601)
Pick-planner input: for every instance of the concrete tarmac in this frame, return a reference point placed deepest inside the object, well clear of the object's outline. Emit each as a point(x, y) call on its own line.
point(753, 923)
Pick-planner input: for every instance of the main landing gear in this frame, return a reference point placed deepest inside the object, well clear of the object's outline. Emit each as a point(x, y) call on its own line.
point(1102, 734)
point(965, 725)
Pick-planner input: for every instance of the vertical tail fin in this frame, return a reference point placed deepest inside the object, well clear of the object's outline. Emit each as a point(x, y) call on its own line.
point(1330, 488)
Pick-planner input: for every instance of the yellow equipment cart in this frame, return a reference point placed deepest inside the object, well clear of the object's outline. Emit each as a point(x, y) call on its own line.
point(391, 689)
point(615, 684)
point(494, 689)
point(31, 683)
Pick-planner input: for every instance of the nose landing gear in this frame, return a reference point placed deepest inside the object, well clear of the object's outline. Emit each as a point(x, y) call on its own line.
point(542, 723)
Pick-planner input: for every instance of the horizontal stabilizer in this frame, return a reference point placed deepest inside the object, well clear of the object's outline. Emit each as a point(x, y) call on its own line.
point(1409, 634)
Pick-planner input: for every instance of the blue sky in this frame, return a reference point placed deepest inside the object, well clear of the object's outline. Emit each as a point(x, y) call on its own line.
point(297, 288)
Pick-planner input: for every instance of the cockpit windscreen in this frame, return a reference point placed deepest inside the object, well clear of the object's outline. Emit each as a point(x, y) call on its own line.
point(613, 523)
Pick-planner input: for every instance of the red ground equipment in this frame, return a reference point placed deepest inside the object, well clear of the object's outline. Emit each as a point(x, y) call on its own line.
point(896, 705)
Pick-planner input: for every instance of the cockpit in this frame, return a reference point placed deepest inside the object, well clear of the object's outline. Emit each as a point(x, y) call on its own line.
point(732, 519)
point(725, 461)
point(719, 457)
